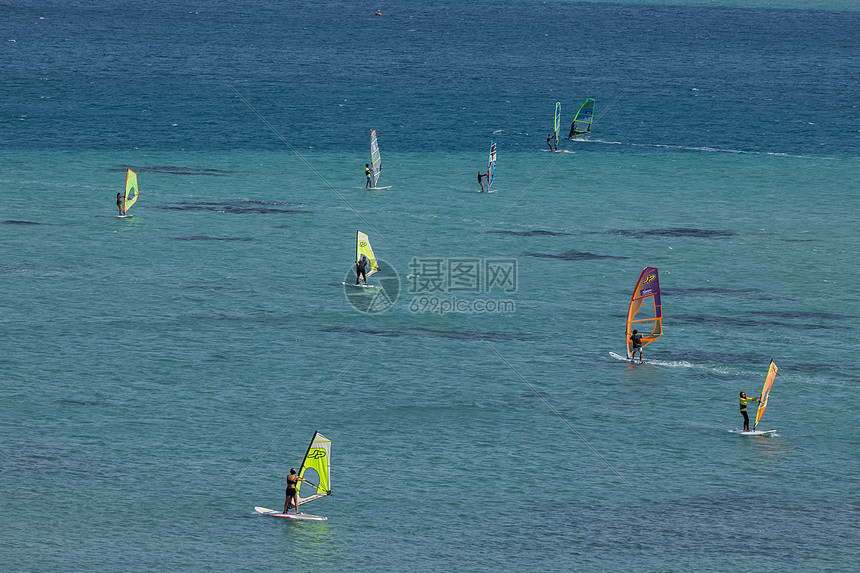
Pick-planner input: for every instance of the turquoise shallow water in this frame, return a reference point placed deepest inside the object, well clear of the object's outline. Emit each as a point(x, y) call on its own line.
point(164, 372)
point(161, 374)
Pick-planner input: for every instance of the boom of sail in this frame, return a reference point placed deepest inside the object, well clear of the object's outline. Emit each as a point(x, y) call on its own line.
point(645, 312)
point(318, 459)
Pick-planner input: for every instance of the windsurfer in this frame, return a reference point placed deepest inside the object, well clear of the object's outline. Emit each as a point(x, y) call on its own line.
point(549, 141)
point(361, 269)
point(481, 180)
point(119, 203)
point(743, 403)
point(292, 494)
point(636, 344)
point(369, 183)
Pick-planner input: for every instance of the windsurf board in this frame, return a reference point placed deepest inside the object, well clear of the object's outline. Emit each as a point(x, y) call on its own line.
point(753, 432)
point(298, 516)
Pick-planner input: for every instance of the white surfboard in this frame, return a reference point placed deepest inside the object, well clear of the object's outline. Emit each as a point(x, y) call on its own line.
point(124, 216)
point(298, 516)
point(619, 357)
point(753, 432)
point(379, 188)
point(361, 285)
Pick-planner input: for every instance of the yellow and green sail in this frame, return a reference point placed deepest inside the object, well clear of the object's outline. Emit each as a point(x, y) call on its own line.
point(362, 247)
point(582, 120)
point(765, 392)
point(130, 191)
point(318, 459)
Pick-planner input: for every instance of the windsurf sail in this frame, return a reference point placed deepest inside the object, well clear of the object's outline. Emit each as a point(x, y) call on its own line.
point(375, 159)
point(491, 165)
point(765, 392)
point(582, 120)
point(130, 189)
point(318, 459)
point(557, 122)
point(362, 247)
point(645, 313)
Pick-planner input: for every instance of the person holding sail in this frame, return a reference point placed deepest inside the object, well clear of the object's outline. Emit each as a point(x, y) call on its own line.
point(636, 344)
point(361, 269)
point(292, 494)
point(119, 201)
point(369, 183)
point(549, 142)
point(743, 403)
point(481, 180)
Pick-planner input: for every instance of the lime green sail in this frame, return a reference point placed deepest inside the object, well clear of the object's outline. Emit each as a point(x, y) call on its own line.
point(130, 186)
point(317, 459)
point(362, 247)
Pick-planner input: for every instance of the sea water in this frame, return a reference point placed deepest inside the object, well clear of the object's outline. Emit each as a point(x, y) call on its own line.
point(162, 373)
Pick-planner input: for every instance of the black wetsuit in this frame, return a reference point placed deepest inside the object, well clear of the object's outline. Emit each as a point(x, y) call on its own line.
point(361, 270)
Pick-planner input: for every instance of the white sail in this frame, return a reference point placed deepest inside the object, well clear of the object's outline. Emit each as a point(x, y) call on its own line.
point(375, 158)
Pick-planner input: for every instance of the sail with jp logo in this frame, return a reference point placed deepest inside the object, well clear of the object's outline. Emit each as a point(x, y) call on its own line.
point(316, 471)
point(645, 312)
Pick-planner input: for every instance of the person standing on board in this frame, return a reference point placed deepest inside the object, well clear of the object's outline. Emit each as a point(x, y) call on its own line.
point(361, 270)
point(292, 495)
point(367, 174)
point(119, 199)
point(636, 344)
point(743, 403)
point(549, 141)
point(481, 180)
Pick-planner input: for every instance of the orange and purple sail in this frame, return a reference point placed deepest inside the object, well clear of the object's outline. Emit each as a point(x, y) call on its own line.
point(645, 312)
point(765, 392)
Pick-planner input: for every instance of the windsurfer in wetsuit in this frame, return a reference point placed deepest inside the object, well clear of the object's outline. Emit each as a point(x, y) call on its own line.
point(636, 344)
point(549, 141)
point(119, 199)
point(481, 180)
point(367, 174)
point(361, 269)
point(743, 403)
point(292, 495)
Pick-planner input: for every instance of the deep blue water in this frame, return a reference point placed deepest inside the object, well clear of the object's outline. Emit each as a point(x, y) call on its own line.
point(161, 374)
point(445, 76)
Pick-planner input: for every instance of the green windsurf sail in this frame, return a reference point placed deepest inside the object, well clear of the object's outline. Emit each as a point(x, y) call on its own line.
point(317, 461)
